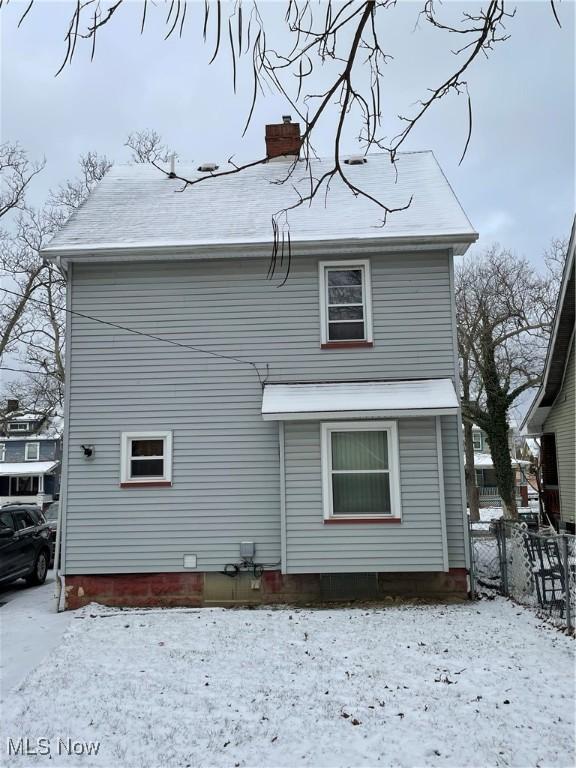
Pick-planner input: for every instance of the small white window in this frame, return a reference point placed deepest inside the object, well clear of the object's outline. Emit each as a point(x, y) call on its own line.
point(2, 452)
point(32, 451)
point(477, 440)
point(360, 467)
point(345, 302)
point(18, 426)
point(146, 458)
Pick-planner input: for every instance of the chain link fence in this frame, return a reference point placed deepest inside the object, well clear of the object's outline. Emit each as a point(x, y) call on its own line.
point(535, 568)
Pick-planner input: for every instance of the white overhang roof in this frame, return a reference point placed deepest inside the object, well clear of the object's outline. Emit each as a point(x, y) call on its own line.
point(360, 399)
point(22, 468)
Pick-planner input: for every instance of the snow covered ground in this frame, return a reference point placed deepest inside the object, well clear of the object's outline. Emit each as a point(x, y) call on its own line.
point(474, 684)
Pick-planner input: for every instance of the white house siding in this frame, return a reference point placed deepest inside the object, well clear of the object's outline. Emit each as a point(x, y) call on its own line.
point(561, 420)
point(226, 458)
point(415, 544)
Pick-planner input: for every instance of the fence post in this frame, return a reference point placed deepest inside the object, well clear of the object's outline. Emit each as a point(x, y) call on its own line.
point(504, 562)
point(472, 574)
point(566, 566)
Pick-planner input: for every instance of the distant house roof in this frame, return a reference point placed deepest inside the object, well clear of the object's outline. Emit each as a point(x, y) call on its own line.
point(17, 416)
point(484, 461)
point(24, 468)
point(48, 426)
point(137, 210)
point(559, 346)
point(281, 402)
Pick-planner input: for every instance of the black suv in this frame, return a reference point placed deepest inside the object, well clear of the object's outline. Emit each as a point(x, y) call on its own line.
point(24, 544)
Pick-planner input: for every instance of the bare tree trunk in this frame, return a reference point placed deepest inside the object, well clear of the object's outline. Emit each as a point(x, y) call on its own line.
point(470, 473)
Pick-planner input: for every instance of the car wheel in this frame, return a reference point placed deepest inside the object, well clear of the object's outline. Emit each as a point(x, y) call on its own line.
point(38, 575)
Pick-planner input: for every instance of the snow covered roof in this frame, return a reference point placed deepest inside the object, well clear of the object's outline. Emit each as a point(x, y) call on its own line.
point(17, 416)
point(138, 208)
point(484, 460)
point(363, 399)
point(26, 468)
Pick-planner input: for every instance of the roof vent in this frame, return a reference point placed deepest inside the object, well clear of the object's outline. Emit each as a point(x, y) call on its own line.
point(208, 167)
point(355, 160)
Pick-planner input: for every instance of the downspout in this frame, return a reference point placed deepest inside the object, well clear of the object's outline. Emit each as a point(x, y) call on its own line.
point(60, 593)
point(465, 524)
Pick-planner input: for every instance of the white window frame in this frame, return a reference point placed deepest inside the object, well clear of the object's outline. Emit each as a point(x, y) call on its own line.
point(477, 434)
point(391, 428)
point(18, 426)
point(2, 451)
point(126, 443)
point(324, 267)
point(27, 448)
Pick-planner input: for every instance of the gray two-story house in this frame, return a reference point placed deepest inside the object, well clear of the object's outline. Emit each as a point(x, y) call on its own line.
point(232, 436)
point(30, 452)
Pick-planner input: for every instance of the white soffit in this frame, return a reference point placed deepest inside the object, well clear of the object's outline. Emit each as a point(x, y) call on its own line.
point(361, 399)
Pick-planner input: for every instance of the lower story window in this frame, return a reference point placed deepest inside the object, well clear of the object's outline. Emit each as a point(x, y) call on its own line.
point(360, 470)
point(146, 457)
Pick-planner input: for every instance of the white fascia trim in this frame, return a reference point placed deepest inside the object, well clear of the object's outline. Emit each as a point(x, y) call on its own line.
point(344, 415)
point(391, 427)
point(146, 251)
point(126, 437)
point(366, 294)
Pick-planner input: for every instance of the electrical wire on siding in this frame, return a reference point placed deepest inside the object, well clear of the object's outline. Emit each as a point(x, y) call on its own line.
point(189, 347)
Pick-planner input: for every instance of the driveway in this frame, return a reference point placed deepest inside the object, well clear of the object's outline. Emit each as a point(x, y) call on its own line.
point(30, 628)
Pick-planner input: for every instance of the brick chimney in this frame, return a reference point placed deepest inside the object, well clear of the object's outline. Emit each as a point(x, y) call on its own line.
point(12, 405)
point(283, 138)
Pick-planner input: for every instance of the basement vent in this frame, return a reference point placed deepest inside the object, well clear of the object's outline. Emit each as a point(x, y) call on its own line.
point(208, 167)
point(355, 160)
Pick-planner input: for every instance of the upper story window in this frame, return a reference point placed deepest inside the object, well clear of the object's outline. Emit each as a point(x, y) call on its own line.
point(2, 452)
point(146, 458)
point(477, 440)
point(345, 302)
point(32, 451)
point(18, 426)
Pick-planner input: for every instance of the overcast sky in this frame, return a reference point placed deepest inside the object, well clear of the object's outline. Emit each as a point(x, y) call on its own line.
point(516, 182)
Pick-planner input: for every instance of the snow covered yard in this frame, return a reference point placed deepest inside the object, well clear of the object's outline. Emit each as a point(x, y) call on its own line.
point(475, 684)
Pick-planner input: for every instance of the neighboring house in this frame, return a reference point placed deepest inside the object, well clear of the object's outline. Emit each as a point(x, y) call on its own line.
point(486, 482)
point(30, 451)
point(301, 436)
point(552, 415)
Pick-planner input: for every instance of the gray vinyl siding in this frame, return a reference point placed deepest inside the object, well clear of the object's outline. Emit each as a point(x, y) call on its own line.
point(415, 544)
point(562, 421)
point(452, 464)
point(225, 457)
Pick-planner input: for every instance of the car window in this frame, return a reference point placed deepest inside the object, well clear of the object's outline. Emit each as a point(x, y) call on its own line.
point(24, 519)
point(37, 515)
point(6, 520)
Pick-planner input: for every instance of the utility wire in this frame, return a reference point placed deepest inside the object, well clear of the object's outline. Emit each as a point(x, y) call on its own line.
point(139, 333)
